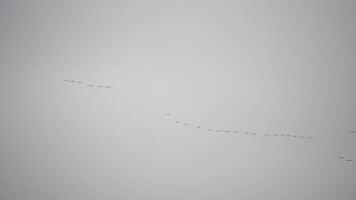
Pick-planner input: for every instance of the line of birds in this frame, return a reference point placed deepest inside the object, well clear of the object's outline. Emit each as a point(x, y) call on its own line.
point(221, 132)
point(87, 84)
point(226, 132)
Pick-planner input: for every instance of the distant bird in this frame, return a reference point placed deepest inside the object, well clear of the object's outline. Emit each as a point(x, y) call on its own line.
point(266, 135)
point(90, 85)
point(65, 80)
point(310, 137)
point(99, 86)
point(352, 131)
point(349, 160)
point(198, 126)
point(79, 82)
point(247, 133)
point(341, 157)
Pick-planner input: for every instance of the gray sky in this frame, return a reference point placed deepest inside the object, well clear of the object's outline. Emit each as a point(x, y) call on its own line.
point(259, 66)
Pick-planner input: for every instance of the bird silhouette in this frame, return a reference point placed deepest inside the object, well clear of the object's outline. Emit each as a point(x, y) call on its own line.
point(349, 160)
point(341, 157)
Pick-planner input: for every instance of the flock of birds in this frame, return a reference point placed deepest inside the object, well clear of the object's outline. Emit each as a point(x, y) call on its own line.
point(221, 132)
point(87, 84)
point(226, 132)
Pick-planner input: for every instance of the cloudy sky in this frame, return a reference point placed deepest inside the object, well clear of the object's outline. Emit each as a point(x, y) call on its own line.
point(265, 67)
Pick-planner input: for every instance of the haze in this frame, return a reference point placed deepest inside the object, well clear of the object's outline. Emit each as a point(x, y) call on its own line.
point(269, 67)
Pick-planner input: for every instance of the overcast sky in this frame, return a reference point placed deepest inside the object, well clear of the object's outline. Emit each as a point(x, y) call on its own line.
point(266, 67)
